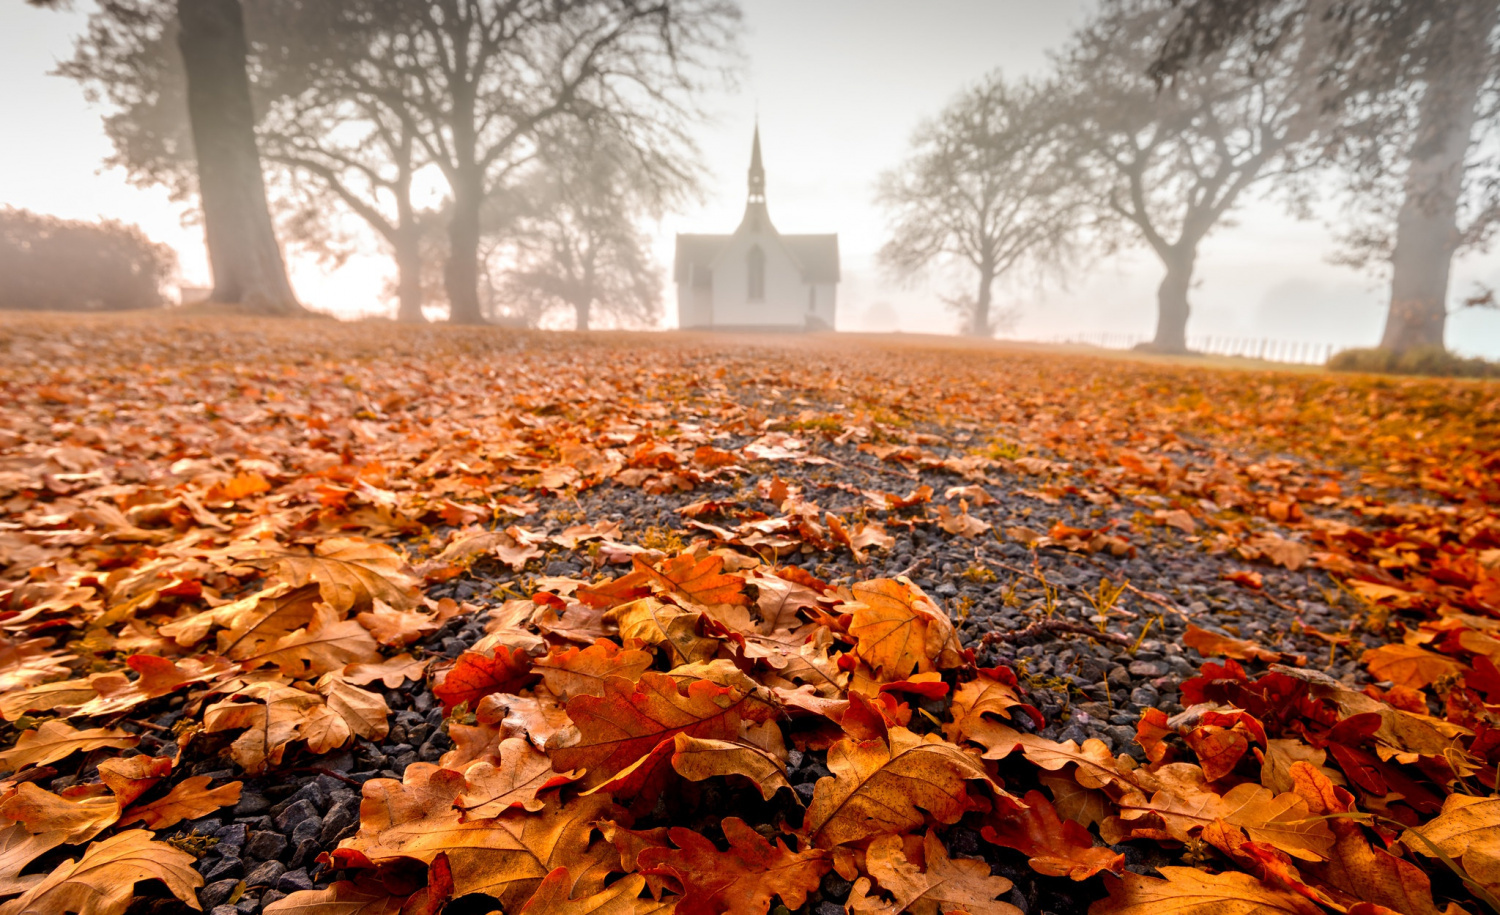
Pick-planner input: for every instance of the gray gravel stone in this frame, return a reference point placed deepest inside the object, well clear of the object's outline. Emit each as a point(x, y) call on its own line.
point(341, 817)
point(216, 894)
point(307, 829)
point(266, 845)
point(266, 874)
point(295, 813)
point(251, 803)
point(292, 881)
point(223, 910)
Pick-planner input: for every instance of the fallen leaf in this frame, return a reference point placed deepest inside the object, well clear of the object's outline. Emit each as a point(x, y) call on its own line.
point(1052, 846)
point(739, 881)
point(102, 881)
point(55, 740)
point(1189, 891)
point(883, 787)
point(1214, 645)
point(944, 885)
point(188, 800)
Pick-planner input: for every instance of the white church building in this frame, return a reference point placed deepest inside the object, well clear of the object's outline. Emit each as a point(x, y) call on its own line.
point(757, 279)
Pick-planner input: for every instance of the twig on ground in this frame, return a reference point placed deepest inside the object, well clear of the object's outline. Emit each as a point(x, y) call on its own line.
point(1041, 627)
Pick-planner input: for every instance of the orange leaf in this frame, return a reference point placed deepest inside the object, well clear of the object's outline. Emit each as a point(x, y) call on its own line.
point(617, 729)
point(946, 884)
point(1212, 644)
point(880, 786)
point(1410, 666)
point(1189, 891)
point(474, 676)
point(188, 800)
point(700, 581)
point(898, 630)
point(740, 881)
point(1053, 846)
point(574, 671)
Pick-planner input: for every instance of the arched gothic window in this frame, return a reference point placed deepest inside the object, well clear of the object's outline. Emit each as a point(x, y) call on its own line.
point(757, 265)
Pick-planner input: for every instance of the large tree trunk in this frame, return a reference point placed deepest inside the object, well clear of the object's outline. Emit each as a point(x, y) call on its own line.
point(1172, 300)
point(409, 275)
point(461, 276)
point(247, 265)
point(979, 326)
point(582, 309)
point(1427, 233)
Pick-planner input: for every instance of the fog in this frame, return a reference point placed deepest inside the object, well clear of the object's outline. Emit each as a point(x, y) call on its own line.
point(838, 87)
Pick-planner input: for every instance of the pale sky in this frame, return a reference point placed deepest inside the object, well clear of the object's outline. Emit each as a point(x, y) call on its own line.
point(839, 85)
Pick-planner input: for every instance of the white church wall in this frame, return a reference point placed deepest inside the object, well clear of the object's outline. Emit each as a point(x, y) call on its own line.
point(785, 303)
point(825, 304)
point(694, 306)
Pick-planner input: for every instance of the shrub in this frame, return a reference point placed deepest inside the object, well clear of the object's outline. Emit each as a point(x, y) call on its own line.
point(51, 264)
point(1423, 360)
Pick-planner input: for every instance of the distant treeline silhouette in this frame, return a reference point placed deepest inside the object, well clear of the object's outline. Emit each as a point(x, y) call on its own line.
point(51, 264)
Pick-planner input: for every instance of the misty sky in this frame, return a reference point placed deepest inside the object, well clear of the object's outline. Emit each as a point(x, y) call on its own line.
point(840, 85)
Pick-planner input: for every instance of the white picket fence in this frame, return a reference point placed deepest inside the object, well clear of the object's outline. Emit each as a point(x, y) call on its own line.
point(1292, 352)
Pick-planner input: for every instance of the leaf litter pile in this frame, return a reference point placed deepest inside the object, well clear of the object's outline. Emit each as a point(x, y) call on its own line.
point(317, 618)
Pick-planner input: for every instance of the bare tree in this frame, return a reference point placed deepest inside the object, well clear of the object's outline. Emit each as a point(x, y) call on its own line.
point(1166, 164)
point(357, 97)
point(575, 239)
point(1411, 102)
point(983, 186)
point(486, 77)
point(247, 263)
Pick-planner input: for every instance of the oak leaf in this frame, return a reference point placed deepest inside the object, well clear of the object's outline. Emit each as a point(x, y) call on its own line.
point(572, 671)
point(343, 897)
point(475, 675)
point(697, 758)
point(1053, 846)
point(158, 677)
point(553, 897)
point(957, 885)
point(613, 731)
point(1212, 644)
point(883, 787)
point(188, 800)
point(701, 581)
point(1186, 806)
point(396, 628)
point(506, 856)
point(739, 881)
point(20, 846)
point(900, 631)
point(650, 622)
point(78, 820)
point(128, 779)
point(352, 573)
point(391, 672)
point(519, 771)
point(1189, 891)
point(1410, 666)
point(54, 740)
point(102, 881)
point(326, 644)
point(1467, 831)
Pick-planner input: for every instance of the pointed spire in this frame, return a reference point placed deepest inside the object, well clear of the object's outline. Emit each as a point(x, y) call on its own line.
point(757, 169)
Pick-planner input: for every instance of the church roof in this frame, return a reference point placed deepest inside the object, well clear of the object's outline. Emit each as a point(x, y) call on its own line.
point(817, 255)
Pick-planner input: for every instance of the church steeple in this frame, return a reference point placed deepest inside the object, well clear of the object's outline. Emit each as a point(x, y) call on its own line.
point(757, 170)
point(757, 219)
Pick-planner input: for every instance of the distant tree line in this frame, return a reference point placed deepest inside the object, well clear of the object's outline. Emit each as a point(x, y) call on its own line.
point(504, 152)
point(1161, 115)
point(50, 264)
